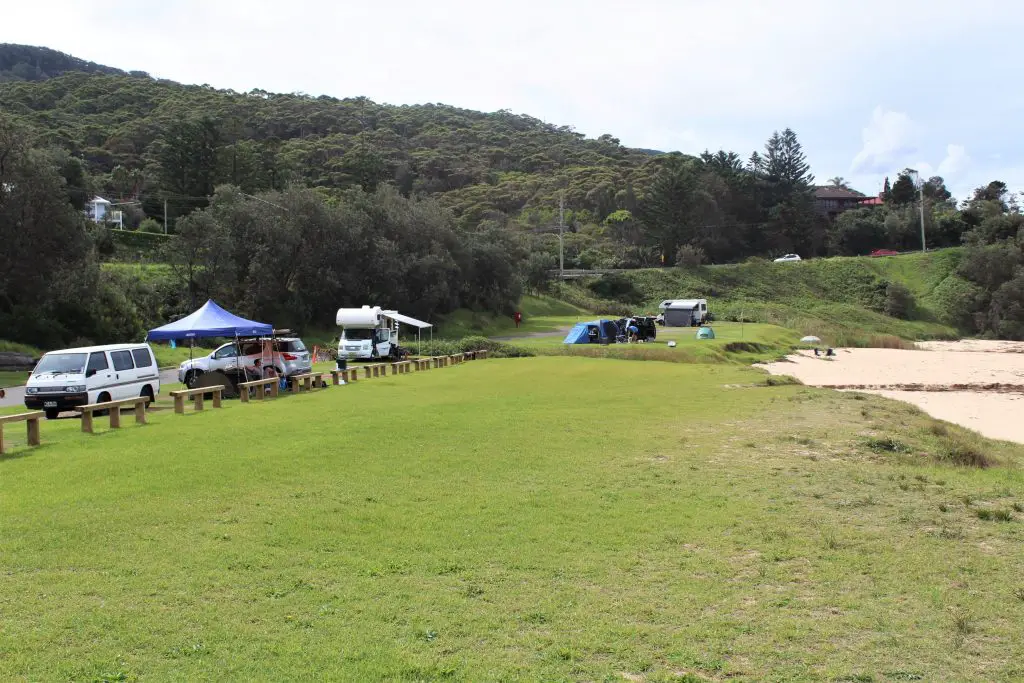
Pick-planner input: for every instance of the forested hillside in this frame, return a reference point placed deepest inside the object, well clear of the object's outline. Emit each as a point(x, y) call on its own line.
point(29, 63)
point(285, 206)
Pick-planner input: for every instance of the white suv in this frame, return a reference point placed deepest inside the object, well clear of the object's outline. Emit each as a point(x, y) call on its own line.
point(288, 355)
point(788, 258)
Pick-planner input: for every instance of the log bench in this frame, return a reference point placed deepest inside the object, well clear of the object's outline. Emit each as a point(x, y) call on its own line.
point(307, 381)
point(31, 420)
point(258, 384)
point(197, 394)
point(114, 408)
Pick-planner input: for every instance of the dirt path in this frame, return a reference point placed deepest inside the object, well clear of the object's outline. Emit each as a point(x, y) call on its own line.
point(976, 384)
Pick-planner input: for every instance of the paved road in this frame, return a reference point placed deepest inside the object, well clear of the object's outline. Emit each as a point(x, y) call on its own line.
point(15, 396)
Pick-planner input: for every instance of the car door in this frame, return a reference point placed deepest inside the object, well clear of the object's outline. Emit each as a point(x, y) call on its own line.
point(98, 374)
point(225, 358)
point(124, 375)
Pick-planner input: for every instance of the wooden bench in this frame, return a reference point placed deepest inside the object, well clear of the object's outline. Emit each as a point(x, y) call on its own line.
point(481, 354)
point(273, 382)
point(197, 394)
point(400, 367)
point(307, 381)
point(347, 375)
point(114, 407)
point(31, 421)
point(378, 370)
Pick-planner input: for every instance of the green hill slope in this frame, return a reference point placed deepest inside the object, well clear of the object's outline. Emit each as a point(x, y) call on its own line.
point(847, 301)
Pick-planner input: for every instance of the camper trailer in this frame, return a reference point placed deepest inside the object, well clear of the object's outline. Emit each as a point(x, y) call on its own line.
point(371, 332)
point(684, 312)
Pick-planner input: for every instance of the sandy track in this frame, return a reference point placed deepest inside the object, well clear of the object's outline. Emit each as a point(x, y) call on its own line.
point(976, 384)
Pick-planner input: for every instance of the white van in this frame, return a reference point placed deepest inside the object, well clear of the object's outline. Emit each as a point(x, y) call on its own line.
point(93, 374)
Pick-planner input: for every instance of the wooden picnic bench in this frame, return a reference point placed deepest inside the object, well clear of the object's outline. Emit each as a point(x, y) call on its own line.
point(114, 408)
point(197, 395)
point(31, 420)
point(307, 381)
point(273, 382)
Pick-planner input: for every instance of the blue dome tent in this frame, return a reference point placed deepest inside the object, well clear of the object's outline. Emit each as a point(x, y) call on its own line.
point(593, 332)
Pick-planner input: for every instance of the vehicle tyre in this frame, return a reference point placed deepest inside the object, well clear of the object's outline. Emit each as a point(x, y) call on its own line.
point(147, 392)
point(52, 413)
point(190, 378)
point(102, 398)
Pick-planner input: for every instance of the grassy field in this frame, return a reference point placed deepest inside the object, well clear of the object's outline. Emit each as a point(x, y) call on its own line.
point(540, 314)
point(530, 519)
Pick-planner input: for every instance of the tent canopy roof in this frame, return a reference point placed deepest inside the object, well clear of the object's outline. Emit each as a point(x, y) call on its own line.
point(395, 315)
point(209, 321)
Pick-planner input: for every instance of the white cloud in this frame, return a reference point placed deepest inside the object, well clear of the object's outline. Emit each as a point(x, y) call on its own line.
point(956, 161)
point(887, 139)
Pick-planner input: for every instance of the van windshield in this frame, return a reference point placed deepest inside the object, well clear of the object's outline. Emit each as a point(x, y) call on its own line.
point(357, 333)
point(60, 363)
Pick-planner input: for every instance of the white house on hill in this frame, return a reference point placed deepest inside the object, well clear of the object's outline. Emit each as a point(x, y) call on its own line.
point(99, 211)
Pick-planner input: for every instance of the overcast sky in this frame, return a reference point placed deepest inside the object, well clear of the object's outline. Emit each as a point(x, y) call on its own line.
point(870, 86)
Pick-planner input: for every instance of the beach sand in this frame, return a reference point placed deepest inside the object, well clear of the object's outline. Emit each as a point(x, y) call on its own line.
point(976, 384)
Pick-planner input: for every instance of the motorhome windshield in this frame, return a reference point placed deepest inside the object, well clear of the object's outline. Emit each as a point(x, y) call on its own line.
point(357, 333)
point(60, 363)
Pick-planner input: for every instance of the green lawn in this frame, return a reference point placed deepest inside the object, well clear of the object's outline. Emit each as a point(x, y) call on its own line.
point(540, 314)
point(540, 519)
point(12, 379)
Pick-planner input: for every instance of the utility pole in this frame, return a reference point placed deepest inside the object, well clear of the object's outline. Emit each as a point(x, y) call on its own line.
point(165, 216)
point(561, 230)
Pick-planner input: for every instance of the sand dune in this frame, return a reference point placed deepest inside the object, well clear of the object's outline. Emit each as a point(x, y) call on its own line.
point(976, 384)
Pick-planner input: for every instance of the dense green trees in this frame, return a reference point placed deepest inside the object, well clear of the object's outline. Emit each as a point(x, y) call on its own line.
point(286, 206)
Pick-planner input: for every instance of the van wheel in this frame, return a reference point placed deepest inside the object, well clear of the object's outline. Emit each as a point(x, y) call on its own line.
point(102, 398)
point(52, 413)
point(190, 379)
point(147, 392)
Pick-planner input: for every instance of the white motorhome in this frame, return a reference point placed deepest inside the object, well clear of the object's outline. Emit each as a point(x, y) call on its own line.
point(371, 332)
point(68, 378)
point(684, 312)
point(366, 333)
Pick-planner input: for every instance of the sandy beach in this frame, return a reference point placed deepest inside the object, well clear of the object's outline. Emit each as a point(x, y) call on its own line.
point(976, 384)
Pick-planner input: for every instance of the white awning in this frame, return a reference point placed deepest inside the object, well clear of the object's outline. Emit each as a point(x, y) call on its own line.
point(395, 315)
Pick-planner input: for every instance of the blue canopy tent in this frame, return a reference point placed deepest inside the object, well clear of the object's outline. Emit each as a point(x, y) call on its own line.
point(593, 332)
point(209, 321)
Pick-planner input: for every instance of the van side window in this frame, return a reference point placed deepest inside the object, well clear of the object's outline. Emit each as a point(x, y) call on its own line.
point(143, 358)
point(122, 360)
point(97, 361)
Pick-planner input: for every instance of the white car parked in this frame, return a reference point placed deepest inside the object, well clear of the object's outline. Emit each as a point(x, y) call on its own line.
point(788, 258)
point(288, 355)
point(68, 378)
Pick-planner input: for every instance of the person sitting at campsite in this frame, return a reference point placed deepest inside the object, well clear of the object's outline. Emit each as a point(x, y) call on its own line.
point(255, 372)
point(592, 334)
